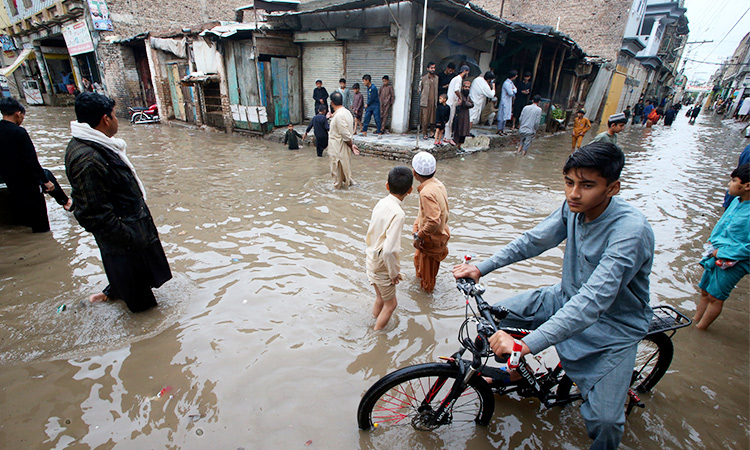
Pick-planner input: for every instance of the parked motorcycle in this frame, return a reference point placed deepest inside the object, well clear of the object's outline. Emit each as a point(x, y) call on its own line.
point(140, 114)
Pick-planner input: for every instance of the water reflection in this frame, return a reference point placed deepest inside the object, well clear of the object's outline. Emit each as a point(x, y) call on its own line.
point(265, 333)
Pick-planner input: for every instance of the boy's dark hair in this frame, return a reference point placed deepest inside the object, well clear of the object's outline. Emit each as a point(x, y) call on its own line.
point(355, 86)
point(605, 158)
point(342, 80)
point(537, 98)
point(512, 73)
point(337, 99)
point(400, 179)
point(366, 77)
point(290, 124)
point(620, 120)
point(10, 106)
point(451, 66)
point(91, 107)
point(489, 75)
point(320, 108)
point(431, 63)
point(443, 95)
point(385, 77)
point(742, 172)
point(581, 111)
point(527, 74)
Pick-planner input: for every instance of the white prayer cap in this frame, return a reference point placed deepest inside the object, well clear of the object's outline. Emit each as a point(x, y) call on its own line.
point(616, 117)
point(424, 164)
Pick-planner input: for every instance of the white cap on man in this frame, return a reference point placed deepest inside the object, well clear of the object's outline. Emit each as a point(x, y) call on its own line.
point(424, 164)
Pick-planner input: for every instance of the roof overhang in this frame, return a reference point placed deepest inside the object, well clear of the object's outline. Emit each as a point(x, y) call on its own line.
point(653, 62)
point(632, 45)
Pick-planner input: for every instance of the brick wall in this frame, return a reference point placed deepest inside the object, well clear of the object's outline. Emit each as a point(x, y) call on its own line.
point(597, 26)
point(133, 17)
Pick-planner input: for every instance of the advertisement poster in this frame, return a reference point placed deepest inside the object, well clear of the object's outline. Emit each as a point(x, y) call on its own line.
point(78, 38)
point(100, 15)
point(7, 43)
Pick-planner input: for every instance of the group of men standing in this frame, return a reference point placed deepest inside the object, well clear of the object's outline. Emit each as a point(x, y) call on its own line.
point(511, 98)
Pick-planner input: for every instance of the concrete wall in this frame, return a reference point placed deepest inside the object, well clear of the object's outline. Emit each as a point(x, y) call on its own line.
point(597, 26)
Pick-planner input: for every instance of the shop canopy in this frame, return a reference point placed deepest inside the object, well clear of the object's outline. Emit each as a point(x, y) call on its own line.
point(6, 71)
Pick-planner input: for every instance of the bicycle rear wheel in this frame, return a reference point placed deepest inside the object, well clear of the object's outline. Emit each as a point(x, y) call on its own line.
point(654, 356)
point(410, 396)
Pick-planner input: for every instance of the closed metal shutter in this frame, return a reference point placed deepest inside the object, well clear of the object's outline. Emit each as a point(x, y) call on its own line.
point(374, 54)
point(320, 61)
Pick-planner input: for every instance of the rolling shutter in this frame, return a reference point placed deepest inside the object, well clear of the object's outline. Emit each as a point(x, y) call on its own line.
point(374, 54)
point(320, 61)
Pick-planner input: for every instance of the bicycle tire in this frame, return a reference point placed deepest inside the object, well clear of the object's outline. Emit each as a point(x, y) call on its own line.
point(396, 399)
point(654, 356)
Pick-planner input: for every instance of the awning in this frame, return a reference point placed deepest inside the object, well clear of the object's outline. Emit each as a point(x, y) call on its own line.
point(5, 71)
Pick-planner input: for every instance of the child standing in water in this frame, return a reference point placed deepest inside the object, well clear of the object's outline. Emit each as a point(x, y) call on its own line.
point(384, 244)
point(727, 257)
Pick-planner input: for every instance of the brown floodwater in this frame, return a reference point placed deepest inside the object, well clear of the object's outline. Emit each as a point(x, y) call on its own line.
point(263, 339)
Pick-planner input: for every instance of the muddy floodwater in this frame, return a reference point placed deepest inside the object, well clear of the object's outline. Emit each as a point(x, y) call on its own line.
point(263, 338)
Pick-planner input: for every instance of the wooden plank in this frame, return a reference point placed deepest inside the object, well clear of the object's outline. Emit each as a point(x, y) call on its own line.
point(536, 66)
point(280, 91)
point(557, 77)
point(552, 72)
point(295, 90)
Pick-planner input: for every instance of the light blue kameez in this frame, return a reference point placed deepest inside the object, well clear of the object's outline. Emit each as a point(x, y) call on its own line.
point(598, 312)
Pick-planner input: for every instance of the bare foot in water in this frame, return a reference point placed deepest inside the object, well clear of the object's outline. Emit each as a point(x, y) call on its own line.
point(98, 298)
point(68, 205)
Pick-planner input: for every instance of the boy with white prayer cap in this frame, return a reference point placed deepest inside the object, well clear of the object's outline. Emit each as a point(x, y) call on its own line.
point(431, 231)
point(615, 123)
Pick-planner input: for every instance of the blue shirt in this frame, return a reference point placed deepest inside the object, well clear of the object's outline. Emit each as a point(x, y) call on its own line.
point(319, 124)
point(648, 110)
point(731, 235)
point(371, 96)
point(604, 288)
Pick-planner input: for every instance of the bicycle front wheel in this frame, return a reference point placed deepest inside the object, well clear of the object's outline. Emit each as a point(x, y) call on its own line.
point(654, 356)
point(411, 397)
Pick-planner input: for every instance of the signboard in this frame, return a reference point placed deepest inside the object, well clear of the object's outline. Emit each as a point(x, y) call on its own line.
point(7, 43)
point(100, 15)
point(78, 38)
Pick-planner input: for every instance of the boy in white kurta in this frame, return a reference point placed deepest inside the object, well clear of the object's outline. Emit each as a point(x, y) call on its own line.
point(384, 244)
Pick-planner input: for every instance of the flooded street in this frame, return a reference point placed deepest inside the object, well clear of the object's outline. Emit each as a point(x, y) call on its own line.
point(263, 338)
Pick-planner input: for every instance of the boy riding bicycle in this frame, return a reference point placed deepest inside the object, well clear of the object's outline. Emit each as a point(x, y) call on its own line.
point(600, 310)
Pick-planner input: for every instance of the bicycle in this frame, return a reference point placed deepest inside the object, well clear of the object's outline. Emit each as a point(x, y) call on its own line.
point(432, 395)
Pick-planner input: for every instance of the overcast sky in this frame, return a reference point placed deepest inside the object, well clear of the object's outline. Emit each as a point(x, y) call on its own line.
point(710, 20)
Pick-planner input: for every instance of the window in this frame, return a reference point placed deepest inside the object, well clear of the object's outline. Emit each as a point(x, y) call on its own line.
point(646, 26)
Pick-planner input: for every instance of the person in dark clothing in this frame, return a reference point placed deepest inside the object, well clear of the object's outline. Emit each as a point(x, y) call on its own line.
point(110, 203)
point(638, 112)
point(445, 77)
point(20, 169)
point(669, 116)
point(694, 113)
point(442, 116)
point(320, 95)
point(290, 138)
point(522, 97)
point(372, 106)
point(461, 121)
point(628, 113)
point(319, 125)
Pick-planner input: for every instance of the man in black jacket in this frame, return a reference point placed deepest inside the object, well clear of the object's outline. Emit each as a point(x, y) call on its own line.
point(110, 202)
point(21, 172)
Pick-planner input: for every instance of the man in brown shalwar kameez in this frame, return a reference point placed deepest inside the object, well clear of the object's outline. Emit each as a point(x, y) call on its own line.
point(428, 98)
point(387, 97)
point(431, 232)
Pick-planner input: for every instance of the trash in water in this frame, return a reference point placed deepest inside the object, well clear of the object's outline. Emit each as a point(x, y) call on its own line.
point(195, 417)
point(164, 391)
point(61, 308)
point(235, 259)
point(199, 432)
point(308, 442)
